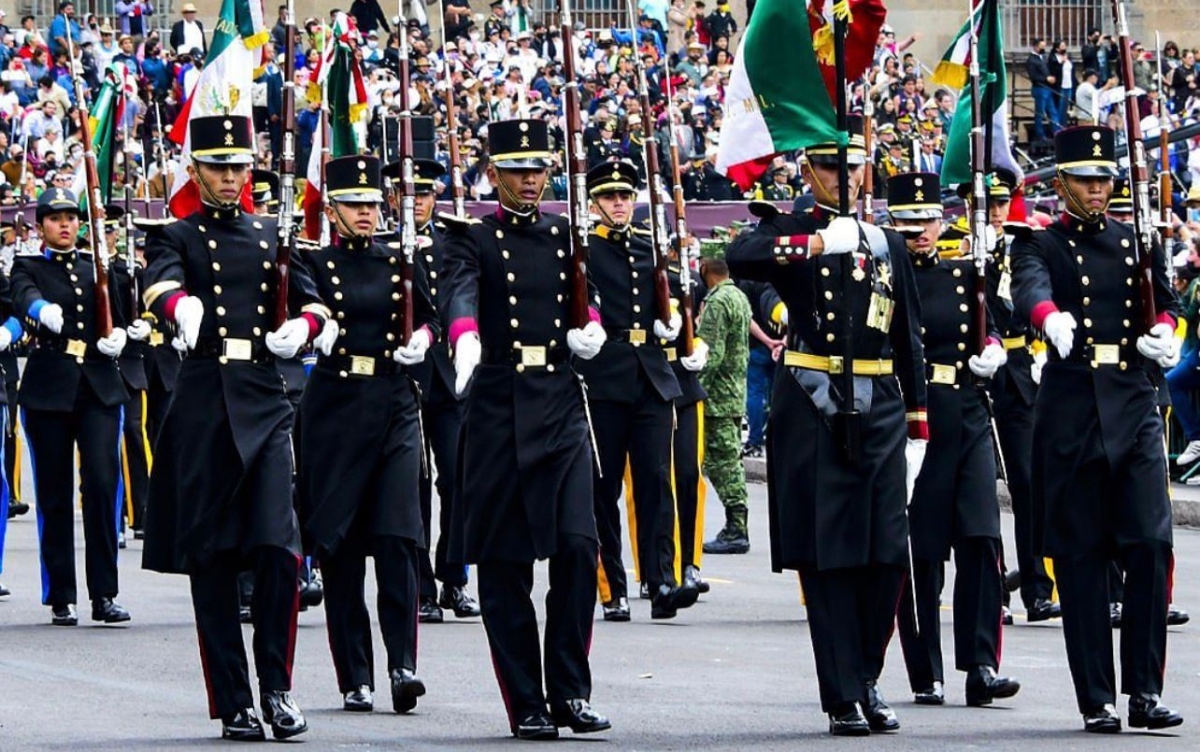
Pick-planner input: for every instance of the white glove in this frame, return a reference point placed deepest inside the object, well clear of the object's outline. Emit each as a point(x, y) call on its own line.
point(188, 313)
point(51, 317)
point(179, 345)
point(841, 236)
point(985, 364)
point(5, 338)
point(467, 353)
point(287, 340)
point(586, 342)
point(699, 357)
point(326, 339)
point(990, 239)
point(1035, 370)
point(1160, 345)
point(113, 344)
point(139, 330)
point(914, 456)
point(414, 352)
point(670, 331)
point(1060, 332)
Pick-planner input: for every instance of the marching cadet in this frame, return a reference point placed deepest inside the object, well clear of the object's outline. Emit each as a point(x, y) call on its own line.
point(839, 517)
point(441, 418)
point(632, 386)
point(221, 492)
point(1013, 390)
point(954, 500)
point(361, 421)
point(1099, 469)
point(72, 397)
point(528, 494)
point(12, 379)
point(10, 332)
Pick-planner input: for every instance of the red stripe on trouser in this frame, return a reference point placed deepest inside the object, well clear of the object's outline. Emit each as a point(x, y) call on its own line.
point(208, 690)
point(512, 722)
point(1170, 577)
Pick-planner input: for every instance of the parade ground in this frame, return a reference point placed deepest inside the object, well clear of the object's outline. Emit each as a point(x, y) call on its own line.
point(735, 672)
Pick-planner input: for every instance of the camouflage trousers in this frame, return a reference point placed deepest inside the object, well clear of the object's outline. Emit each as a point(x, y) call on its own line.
point(724, 468)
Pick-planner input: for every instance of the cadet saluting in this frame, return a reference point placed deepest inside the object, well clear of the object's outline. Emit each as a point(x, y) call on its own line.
point(1099, 469)
point(221, 491)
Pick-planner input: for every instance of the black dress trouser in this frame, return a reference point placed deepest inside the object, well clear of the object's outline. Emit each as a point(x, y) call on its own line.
point(687, 483)
point(441, 421)
point(136, 449)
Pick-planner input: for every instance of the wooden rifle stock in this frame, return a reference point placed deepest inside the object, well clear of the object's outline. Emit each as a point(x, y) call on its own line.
point(869, 169)
point(408, 193)
point(687, 334)
point(577, 170)
point(457, 189)
point(286, 240)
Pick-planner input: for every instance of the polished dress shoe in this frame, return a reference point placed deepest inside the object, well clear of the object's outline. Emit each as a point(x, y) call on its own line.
point(429, 612)
point(848, 720)
point(1114, 615)
point(880, 716)
point(1006, 617)
point(1102, 720)
point(644, 591)
point(668, 600)
point(312, 590)
point(1012, 580)
point(1147, 711)
point(242, 726)
point(121, 544)
point(245, 615)
point(728, 542)
point(932, 695)
point(691, 576)
point(1177, 617)
point(579, 716)
point(4, 590)
point(1043, 609)
point(406, 688)
point(536, 726)
point(282, 712)
point(455, 598)
point(983, 686)
point(107, 611)
point(139, 533)
point(359, 700)
point(63, 616)
point(617, 609)
point(17, 508)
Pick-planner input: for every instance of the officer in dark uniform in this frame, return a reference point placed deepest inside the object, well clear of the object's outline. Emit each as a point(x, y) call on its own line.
point(633, 389)
point(840, 520)
point(359, 496)
point(71, 398)
point(441, 413)
point(607, 147)
point(528, 492)
point(776, 189)
point(1099, 469)
point(954, 500)
point(11, 331)
point(221, 491)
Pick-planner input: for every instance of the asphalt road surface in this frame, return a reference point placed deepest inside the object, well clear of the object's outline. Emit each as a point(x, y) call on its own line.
point(734, 672)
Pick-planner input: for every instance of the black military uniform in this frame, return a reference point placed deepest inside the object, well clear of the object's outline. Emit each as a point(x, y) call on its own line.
point(633, 388)
point(221, 491)
point(954, 500)
point(14, 334)
point(528, 492)
point(10, 364)
point(359, 492)
point(71, 397)
point(842, 525)
point(687, 455)
point(1099, 472)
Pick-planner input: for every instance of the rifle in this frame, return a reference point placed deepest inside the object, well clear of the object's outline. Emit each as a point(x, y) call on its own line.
point(127, 231)
point(1143, 221)
point(104, 318)
point(682, 236)
point(869, 146)
point(979, 208)
point(1164, 156)
point(162, 158)
point(458, 190)
point(577, 170)
point(19, 222)
point(285, 244)
point(408, 190)
point(654, 180)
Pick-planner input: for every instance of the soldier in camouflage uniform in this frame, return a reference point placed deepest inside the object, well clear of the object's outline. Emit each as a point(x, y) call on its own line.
point(725, 328)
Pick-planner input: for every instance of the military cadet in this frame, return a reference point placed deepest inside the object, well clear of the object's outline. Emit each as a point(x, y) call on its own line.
point(10, 332)
point(1099, 469)
point(71, 398)
point(1013, 390)
point(528, 494)
point(360, 412)
point(632, 387)
point(725, 329)
point(954, 500)
point(838, 516)
point(441, 417)
point(16, 506)
point(221, 492)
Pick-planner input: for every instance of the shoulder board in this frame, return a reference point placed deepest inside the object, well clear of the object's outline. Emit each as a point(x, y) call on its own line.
point(763, 209)
point(1022, 231)
point(308, 246)
point(450, 220)
point(645, 232)
point(145, 223)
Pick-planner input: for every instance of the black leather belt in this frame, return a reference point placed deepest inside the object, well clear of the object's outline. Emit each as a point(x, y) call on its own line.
point(635, 337)
point(527, 356)
point(364, 366)
point(78, 348)
point(1098, 355)
point(232, 350)
point(947, 375)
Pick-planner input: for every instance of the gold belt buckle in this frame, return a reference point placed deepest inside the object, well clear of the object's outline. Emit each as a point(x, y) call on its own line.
point(76, 348)
point(1106, 354)
point(944, 374)
point(156, 338)
point(637, 337)
point(837, 364)
point(362, 365)
point(533, 356)
point(237, 349)
point(671, 354)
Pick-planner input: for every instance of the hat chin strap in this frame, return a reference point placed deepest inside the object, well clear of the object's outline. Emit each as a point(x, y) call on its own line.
point(337, 209)
point(608, 220)
point(206, 192)
point(1078, 210)
point(526, 210)
point(824, 197)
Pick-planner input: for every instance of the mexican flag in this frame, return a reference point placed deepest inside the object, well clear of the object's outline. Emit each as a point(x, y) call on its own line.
point(223, 88)
point(954, 71)
point(781, 93)
point(105, 116)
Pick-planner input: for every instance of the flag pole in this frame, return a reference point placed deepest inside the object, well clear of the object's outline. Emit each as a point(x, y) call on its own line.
point(990, 8)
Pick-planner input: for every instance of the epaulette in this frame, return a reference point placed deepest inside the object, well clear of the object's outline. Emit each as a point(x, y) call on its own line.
point(643, 231)
point(147, 224)
point(455, 222)
point(309, 246)
point(1022, 231)
point(763, 209)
